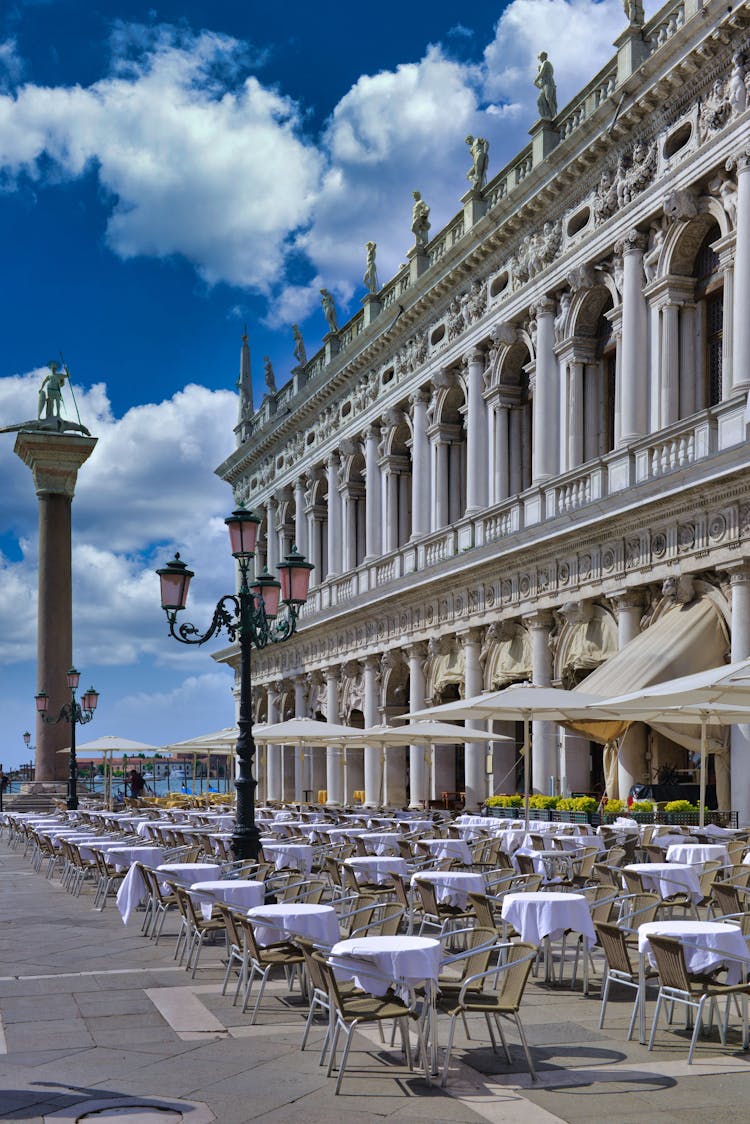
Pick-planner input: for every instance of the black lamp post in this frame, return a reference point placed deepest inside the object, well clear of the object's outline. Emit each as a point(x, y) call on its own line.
point(252, 617)
point(30, 766)
point(77, 714)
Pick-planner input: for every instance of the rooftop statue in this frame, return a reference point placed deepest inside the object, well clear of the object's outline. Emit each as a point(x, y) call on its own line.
point(420, 220)
point(329, 310)
point(269, 375)
point(634, 12)
point(300, 354)
point(477, 173)
point(546, 103)
point(371, 273)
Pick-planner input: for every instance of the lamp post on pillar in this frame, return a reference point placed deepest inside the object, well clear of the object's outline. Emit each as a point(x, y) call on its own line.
point(250, 616)
point(76, 714)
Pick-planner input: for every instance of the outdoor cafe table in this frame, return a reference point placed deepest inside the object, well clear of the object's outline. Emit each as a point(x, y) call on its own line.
point(187, 873)
point(376, 869)
point(239, 893)
point(707, 944)
point(121, 856)
point(452, 886)
point(133, 889)
point(294, 856)
point(693, 853)
point(381, 842)
point(274, 923)
point(666, 879)
point(448, 849)
point(340, 834)
point(542, 917)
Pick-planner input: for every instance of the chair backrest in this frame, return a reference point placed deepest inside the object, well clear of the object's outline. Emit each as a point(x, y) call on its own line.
point(481, 944)
point(615, 856)
point(526, 882)
point(404, 850)
point(333, 870)
point(726, 897)
point(515, 972)
point(525, 864)
point(639, 910)
point(497, 856)
point(738, 875)
point(312, 964)
point(330, 983)
point(349, 880)
point(313, 892)
point(483, 909)
point(427, 896)
point(230, 919)
point(736, 850)
point(633, 881)
point(399, 891)
point(601, 903)
point(245, 926)
point(648, 833)
point(615, 948)
point(359, 847)
point(388, 920)
point(653, 853)
point(537, 841)
point(604, 875)
point(586, 862)
point(707, 875)
point(670, 962)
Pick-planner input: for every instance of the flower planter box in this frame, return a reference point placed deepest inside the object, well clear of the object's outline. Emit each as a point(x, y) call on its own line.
point(675, 819)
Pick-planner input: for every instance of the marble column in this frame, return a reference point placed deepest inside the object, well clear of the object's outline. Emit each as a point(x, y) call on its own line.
point(272, 542)
point(54, 460)
point(300, 518)
point(475, 753)
point(670, 364)
point(725, 250)
point(420, 465)
point(334, 756)
point(440, 495)
point(273, 754)
point(740, 318)
point(634, 346)
point(740, 738)
point(476, 434)
point(632, 749)
point(543, 734)
point(501, 484)
point(417, 654)
point(575, 413)
point(546, 436)
point(373, 544)
point(302, 764)
point(334, 516)
point(373, 754)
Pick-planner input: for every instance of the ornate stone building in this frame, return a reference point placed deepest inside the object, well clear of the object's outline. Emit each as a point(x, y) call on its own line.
point(526, 457)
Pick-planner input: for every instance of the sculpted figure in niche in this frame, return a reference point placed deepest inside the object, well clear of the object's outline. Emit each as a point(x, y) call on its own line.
point(715, 111)
point(477, 173)
point(546, 103)
point(655, 242)
point(420, 220)
point(605, 202)
point(371, 274)
point(562, 316)
point(329, 310)
point(635, 175)
point(737, 88)
point(269, 375)
point(300, 354)
point(728, 196)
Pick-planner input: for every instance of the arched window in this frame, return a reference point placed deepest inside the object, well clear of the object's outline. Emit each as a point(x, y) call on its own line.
point(709, 295)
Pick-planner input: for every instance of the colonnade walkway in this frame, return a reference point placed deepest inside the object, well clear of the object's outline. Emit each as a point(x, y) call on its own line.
point(97, 1022)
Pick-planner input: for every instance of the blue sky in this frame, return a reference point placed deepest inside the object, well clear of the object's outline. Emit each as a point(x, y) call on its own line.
point(167, 174)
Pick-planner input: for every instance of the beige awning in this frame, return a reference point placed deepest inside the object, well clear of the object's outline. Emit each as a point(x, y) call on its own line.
point(684, 640)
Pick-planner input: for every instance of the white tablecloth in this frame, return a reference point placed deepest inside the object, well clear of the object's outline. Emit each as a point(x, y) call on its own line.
point(667, 879)
point(380, 842)
point(240, 893)
point(706, 943)
point(290, 856)
point(273, 923)
point(539, 915)
point(121, 857)
point(697, 853)
point(452, 886)
point(187, 873)
point(133, 889)
point(376, 963)
point(448, 849)
point(376, 870)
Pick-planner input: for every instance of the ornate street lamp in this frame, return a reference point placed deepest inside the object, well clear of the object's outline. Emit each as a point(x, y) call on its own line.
point(32, 749)
point(77, 714)
point(251, 616)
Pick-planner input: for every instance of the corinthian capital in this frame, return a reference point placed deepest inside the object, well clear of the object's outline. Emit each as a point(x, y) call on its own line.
point(740, 160)
point(545, 306)
point(631, 241)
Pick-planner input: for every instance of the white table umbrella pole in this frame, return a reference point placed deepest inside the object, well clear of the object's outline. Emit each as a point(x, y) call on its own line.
point(526, 774)
point(702, 805)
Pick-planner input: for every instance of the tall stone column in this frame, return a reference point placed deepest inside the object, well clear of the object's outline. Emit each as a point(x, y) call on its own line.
point(420, 465)
point(373, 544)
point(476, 434)
point(632, 748)
point(300, 518)
point(475, 753)
point(740, 738)
point(334, 516)
point(273, 752)
point(334, 755)
point(670, 364)
point(543, 741)
point(373, 754)
point(634, 347)
point(740, 318)
point(417, 654)
point(501, 484)
point(54, 460)
point(546, 437)
point(302, 773)
point(575, 413)
point(440, 498)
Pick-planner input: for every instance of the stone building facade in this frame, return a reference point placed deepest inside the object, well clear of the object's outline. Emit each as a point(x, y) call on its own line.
point(528, 451)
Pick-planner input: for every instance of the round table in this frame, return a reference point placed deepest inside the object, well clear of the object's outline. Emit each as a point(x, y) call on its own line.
point(377, 870)
point(376, 963)
point(538, 915)
point(448, 849)
point(706, 944)
point(274, 923)
point(694, 853)
point(380, 842)
point(667, 879)
point(452, 886)
point(187, 873)
point(240, 893)
point(290, 856)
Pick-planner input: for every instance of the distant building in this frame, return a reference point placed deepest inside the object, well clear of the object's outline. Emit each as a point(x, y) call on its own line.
point(526, 457)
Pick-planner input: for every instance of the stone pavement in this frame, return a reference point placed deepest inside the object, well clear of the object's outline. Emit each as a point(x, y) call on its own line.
point(97, 1023)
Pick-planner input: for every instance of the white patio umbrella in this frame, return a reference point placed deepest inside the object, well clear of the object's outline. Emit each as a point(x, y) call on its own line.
point(220, 739)
point(525, 703)
point(108, 745)
point(305, 731)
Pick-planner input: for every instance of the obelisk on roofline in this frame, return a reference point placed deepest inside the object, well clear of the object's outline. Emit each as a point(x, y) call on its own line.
point(54, 449)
